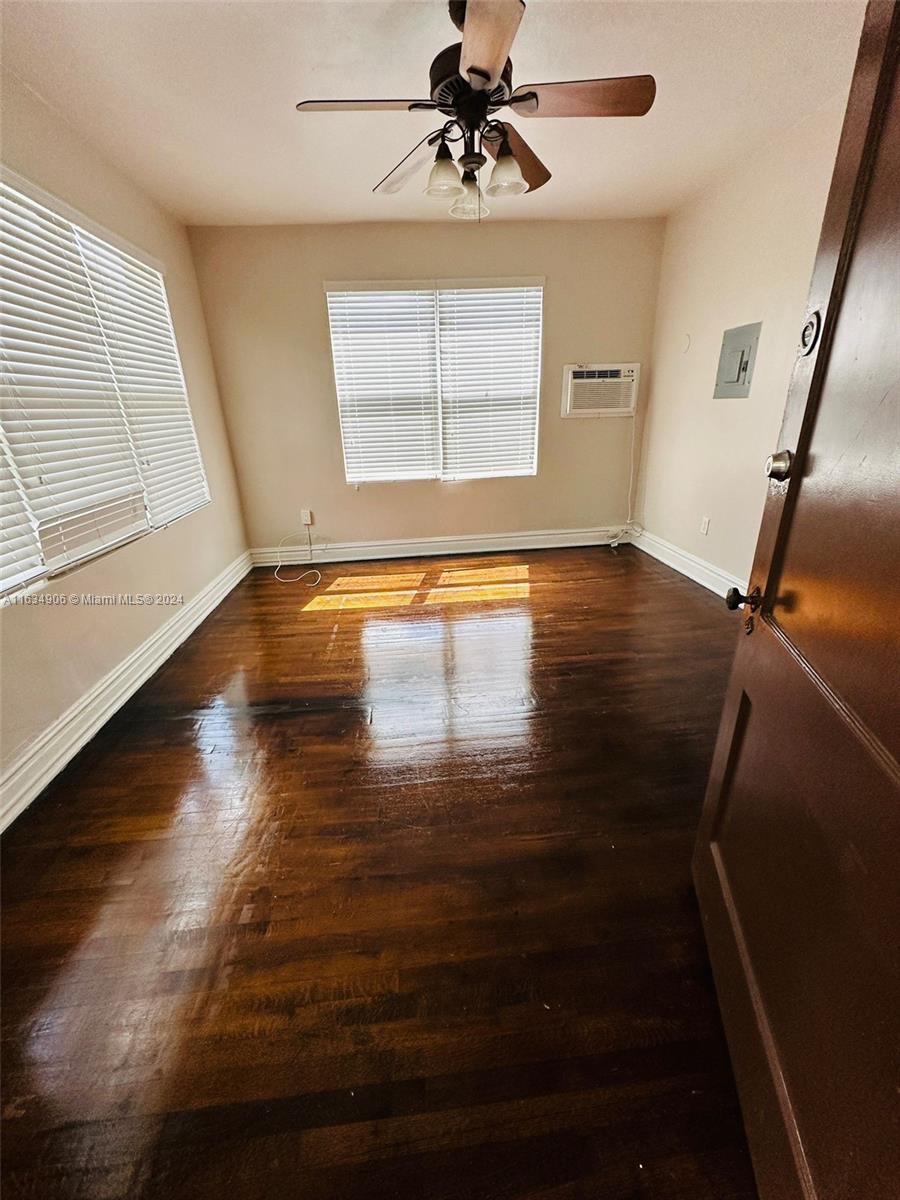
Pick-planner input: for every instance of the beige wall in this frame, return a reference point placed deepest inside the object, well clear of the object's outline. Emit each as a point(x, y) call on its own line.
point(52, 656)
point(265, 307)
point(741, 251)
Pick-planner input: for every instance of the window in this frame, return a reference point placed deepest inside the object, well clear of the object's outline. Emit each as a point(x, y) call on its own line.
point(97, 445)
point(437, 380)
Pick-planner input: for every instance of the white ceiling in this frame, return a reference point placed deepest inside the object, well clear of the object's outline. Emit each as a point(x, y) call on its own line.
point(195, 100)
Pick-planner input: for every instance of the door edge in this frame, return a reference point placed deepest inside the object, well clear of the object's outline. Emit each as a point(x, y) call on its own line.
point(765, 1105)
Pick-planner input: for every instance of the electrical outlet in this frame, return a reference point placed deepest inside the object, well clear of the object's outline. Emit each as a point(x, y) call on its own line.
point(704, 526)
point(306, 516)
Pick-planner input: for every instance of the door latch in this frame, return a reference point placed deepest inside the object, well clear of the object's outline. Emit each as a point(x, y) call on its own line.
point(734, 598)
point(778, 465)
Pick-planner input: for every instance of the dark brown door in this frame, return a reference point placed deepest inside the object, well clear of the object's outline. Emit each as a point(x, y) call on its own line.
point(797, 863)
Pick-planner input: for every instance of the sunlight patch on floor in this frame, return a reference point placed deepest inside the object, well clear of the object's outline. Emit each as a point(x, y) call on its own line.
point(376, 583)
point(494, 591)
point(399, 589)
point(360, 600)
point(482, 575)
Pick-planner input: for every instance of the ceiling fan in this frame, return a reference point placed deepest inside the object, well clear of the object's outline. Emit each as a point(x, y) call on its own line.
point(472, 80)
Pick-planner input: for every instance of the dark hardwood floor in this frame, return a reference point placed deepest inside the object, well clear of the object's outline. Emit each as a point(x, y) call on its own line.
point(384, 902)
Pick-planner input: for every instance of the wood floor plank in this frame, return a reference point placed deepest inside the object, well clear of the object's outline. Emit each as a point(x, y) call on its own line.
point(384, 901)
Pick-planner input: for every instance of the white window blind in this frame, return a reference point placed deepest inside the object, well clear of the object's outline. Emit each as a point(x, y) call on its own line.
point(437, 380)
point(20, 547)
point(490, 351)
point(98, 442)
point(385, 368)
point(137, 328)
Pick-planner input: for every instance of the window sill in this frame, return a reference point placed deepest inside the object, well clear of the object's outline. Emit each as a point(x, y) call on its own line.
point(358, 483)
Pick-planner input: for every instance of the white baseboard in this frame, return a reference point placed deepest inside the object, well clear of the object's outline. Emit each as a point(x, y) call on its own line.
point(45, 757)
point(698, 569)
point(475, 543)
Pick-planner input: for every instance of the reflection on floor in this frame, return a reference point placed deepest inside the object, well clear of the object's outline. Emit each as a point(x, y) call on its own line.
point(446, 687)
point(468, 587)
point(383, 903)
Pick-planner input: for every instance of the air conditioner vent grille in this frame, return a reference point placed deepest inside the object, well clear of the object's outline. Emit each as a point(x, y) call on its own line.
point(594, 390)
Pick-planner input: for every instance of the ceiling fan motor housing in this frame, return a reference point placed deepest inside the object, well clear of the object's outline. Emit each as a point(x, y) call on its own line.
point(452, 93)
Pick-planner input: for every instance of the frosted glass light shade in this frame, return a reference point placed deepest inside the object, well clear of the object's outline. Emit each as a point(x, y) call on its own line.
point(444, 181)
point(506, 177)
point(469, 206)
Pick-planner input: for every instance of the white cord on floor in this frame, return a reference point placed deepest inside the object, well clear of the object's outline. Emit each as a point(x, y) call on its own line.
point(303, 574)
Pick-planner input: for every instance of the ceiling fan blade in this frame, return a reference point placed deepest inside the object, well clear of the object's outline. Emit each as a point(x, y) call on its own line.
point(488, 32)
point(407, 167)
point(536, 174)
point(629, 96)
point(364, 105)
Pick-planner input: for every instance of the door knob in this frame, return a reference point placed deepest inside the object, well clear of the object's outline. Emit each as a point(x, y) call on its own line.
point(778, 465)
point(734, 598)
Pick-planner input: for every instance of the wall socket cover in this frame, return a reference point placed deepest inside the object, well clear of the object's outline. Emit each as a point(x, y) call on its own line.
point(306, 516)
point(704, 525)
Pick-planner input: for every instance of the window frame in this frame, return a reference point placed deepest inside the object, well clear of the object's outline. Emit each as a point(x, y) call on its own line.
point(39, 578)
point(436, 285)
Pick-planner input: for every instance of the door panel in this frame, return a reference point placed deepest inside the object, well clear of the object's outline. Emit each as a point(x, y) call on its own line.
point(806, 836)
point(837, 592)
point(797, 864)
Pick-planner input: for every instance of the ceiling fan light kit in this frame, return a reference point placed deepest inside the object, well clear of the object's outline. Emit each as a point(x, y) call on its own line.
point(506, 178)
point(444, 181)
point(472, 80)
point(470, 206)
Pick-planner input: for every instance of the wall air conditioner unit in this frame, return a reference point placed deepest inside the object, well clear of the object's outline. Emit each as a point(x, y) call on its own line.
point(600, 389)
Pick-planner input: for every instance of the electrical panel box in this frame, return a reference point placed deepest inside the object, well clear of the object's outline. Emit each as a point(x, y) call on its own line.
point(737, 359)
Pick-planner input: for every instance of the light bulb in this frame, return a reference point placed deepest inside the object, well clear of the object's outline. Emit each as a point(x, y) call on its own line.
point(469, 206)
point(506, 177)
point(444, 181)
